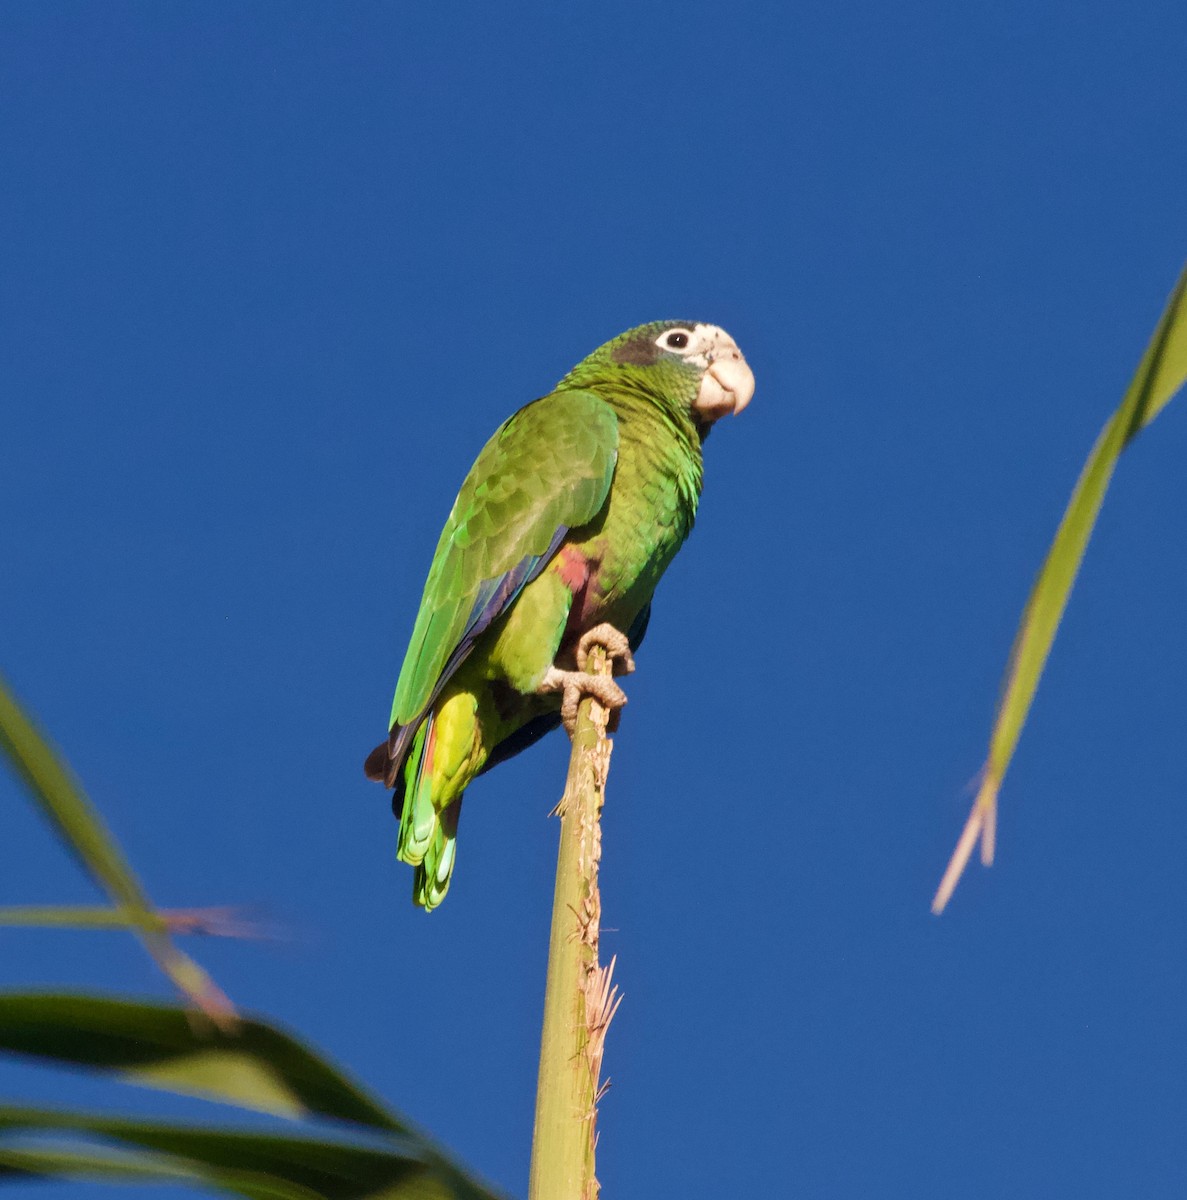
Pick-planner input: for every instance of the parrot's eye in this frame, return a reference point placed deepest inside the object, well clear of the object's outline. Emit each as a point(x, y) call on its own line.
point(677, 340)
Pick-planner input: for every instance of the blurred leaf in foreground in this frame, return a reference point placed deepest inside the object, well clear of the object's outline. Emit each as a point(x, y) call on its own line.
point(81, 827)
point(1159, 376)
point(250, 1164)
point(211, 922)
point(254, 1066)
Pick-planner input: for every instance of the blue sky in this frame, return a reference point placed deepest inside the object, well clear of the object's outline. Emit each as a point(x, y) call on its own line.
point(269, 276)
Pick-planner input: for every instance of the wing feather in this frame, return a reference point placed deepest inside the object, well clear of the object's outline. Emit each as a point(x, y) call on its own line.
point(546, 470)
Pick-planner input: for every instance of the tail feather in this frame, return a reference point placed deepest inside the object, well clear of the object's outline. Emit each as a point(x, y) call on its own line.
point(435, 870)
point(418, 819)
point(427, 837)
point(427, 764)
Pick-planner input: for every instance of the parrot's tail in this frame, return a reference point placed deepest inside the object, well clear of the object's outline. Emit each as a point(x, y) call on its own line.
point(428, 838)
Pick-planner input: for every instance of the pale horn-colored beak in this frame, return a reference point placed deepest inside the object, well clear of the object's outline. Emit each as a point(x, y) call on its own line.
point(727, 385)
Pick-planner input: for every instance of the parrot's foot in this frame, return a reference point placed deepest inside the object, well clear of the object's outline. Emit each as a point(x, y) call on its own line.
point(574, 685)
point(613, 641)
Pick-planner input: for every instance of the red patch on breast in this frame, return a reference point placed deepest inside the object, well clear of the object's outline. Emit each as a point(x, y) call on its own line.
point(573, 568)
point(580, 576)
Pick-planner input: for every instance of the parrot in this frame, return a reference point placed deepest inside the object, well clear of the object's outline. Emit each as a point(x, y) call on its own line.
point(569, 516)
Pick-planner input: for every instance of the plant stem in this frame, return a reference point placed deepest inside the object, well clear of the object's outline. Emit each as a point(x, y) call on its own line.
point(579, 1000)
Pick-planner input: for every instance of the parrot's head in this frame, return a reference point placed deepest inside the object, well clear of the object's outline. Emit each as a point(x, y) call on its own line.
point(695, 366)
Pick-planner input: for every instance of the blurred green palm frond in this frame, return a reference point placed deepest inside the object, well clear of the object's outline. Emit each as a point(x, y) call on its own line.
point(1160, 374)
point(83, 831)
point(350, 1146)
point(362, 1149)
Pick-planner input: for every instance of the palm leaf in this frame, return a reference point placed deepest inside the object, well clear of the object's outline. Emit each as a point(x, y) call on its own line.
point(253, 1066)
point(76, 819)
point(96, 1164)
point(245, 1163)
point(1159, 376)
point(212, 922)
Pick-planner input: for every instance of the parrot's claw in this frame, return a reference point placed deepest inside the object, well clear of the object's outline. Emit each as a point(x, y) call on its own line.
point(613, 641)
point(574, 686)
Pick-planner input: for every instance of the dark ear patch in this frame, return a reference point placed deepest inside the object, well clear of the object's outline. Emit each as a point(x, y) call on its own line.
point(641, 351)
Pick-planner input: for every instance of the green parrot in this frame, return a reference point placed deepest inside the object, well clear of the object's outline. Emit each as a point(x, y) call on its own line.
point(563, 527)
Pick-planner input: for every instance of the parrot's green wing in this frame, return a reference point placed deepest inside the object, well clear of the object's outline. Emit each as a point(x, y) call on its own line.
point(546, 470)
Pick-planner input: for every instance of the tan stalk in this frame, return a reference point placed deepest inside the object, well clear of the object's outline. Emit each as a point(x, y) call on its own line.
point(579, 998)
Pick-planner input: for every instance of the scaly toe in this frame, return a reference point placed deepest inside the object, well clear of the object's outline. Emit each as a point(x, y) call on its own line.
point(604, 690)
point(615, 643)
point(570, 699)
point(573, 685)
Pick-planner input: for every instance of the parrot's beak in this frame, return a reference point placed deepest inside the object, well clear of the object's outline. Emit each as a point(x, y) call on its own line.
point(727, 385)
